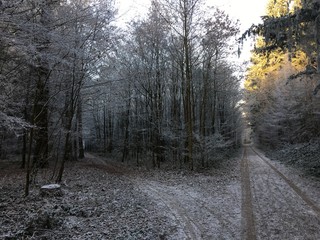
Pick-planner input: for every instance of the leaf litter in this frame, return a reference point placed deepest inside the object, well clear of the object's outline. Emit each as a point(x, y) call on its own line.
point(105, 200)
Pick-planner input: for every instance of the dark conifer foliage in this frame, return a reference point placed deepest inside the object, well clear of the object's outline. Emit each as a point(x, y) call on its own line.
point(283, 82)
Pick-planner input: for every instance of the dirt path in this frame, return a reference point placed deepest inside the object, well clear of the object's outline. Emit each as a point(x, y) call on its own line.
point(260, 202)
point(198, 206)
point(281, 210)
point(186, 227)
point(248, 223)
point(196, 214)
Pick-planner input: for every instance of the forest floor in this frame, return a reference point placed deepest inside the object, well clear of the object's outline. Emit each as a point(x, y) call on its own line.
point(249, 197)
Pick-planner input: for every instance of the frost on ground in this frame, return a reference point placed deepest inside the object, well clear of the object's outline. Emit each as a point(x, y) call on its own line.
point(199, 206)
point(96, 204)
point(281, 211)
point(104, 201)
point(302, 163)
point(304, 156)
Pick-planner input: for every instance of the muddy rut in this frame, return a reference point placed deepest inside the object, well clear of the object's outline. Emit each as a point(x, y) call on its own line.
point(258, 202)
point(274, 207)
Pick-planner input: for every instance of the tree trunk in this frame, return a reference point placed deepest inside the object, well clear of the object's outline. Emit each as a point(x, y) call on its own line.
point(80, 133)
point(110, 133)
point(27, 184)
point(126, 136)
point(67, 150)
point(188, 78)
point(24, 149)
point(40, 158)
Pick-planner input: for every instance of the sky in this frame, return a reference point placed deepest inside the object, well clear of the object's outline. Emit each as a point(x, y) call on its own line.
point(247, 11)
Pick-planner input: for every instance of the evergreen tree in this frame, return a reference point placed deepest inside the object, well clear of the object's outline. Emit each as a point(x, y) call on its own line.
point(270, 69)
point(266, 65)
point(277, 8)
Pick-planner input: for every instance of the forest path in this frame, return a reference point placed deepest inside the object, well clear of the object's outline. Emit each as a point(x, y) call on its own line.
point(254, 200)
point(197, 205)
point(274, 207)
point(196, 214)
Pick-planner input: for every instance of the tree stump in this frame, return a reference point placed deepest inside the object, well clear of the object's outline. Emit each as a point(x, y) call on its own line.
point(51, 190)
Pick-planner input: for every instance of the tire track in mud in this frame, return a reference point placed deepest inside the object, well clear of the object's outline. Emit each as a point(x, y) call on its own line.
point(226, 224)
point(202, 211)
point(281, 209)
point(248, 223)
point(191, 229)
point(293, 186)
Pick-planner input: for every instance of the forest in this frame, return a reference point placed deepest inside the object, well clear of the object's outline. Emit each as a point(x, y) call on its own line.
point(164, 90)
point(154, 129)
point(161, 90)
point(282, 84)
